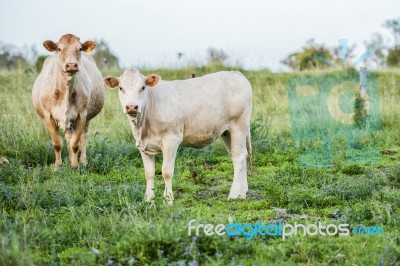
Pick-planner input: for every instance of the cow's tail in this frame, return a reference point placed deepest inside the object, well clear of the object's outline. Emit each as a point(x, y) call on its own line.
point(249, 149)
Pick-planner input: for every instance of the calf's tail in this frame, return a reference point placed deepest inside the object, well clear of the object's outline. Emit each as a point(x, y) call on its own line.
point(249, 150)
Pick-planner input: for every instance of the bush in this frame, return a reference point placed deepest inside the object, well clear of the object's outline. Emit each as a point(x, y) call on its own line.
point(393, 58)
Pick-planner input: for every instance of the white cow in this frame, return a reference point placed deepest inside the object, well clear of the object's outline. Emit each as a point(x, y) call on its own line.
point(68, 92)
point(191, 113)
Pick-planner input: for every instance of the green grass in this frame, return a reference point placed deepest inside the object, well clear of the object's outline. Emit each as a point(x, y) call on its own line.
point(96, 215)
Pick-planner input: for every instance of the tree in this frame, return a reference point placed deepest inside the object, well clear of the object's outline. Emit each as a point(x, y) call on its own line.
point(216, 57)
point(104, 57)
point(378, 48)
point(345, 58)
point(39, 62)
point(11, 58)
point(312, 56)
point(394, 26)
point(393, 58)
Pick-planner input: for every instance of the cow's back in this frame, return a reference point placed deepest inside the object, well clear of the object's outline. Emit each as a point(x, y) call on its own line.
point(202, 108)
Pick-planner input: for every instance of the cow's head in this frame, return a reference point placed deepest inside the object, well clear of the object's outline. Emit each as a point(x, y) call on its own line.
point(133, 88)
point(69, 50)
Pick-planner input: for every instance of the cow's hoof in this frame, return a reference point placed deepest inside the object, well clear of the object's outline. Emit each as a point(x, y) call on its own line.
point(82, 160)
point(74, 166)
point(3, 160)
point(236, 197)
point(57, 166)
point(169, 200)
point(237, 193)
point(151, 204)
point(149, 195)
point(168, 197)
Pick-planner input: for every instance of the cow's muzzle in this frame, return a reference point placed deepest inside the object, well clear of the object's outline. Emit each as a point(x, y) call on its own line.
point(71, 68)
point(131, 109)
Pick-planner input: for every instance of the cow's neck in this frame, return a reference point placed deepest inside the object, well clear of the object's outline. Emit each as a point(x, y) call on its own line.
point(140, 120)
point(70, 85)
point(141, 124)
point(72, 82)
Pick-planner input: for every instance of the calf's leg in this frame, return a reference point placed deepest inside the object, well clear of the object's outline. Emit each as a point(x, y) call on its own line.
point(239, 158)
point(149, 171)
point(226, 137)
point(169, 151)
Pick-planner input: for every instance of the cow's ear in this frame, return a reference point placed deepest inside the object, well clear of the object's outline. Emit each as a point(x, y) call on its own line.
point(88, 46)
point(152, 80)
point(111, 82)
point(50, 46)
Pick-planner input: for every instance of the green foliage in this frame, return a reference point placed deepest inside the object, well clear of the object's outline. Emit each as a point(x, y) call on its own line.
point(39, 62)
point(360, 111)
point(393, 58)
point(311, 57)
point(216, 56)
point(105, 59)
point(11, 58)
point(96, 215)
point(394, 26)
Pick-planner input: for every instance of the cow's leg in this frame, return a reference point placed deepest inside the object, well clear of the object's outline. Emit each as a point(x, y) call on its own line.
point(149, 171)
point(68, 134)
point(83, 142)
point(170, 147)
point(239, 158)
point(226, 137)
point(79, 126)
point(55, 137)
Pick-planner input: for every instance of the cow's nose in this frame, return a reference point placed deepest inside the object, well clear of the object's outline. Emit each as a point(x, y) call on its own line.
point(71, 66)
point(131, 109)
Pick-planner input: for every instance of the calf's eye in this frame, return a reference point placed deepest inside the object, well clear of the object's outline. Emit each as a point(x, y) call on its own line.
point(142, 89)
point(81, 49)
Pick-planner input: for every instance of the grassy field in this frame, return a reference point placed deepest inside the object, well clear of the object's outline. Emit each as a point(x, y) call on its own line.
point(96, 215)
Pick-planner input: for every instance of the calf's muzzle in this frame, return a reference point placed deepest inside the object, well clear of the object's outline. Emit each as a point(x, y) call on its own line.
point(131, 109)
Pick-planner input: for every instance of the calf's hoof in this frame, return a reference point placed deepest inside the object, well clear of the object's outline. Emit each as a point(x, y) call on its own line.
point(3, 160)
point(149, 195)
point(168, 197)
point(238, 192)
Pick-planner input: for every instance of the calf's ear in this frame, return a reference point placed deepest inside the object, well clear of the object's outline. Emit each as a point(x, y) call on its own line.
point(50, 46)
point(111, 82)
point(152, 80)
point(88, 46)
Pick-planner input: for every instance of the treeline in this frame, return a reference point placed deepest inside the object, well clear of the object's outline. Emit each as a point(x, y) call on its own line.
point(28, 58)
point(378, 51)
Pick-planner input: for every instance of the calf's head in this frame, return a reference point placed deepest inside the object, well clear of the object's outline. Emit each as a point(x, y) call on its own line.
point(133, 88)
point(69, 50)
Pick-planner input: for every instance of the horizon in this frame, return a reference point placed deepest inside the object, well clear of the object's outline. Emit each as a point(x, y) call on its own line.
point(153, 33)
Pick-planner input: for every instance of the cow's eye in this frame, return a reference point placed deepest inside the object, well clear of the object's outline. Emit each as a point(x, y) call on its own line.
point(121, 89)
point(142, 89)
point(81, 49)
point(59, 49)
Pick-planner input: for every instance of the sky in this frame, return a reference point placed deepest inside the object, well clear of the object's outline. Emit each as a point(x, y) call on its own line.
point(255, 34)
